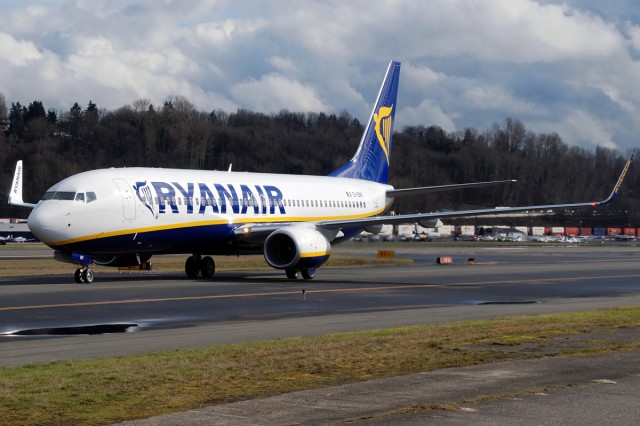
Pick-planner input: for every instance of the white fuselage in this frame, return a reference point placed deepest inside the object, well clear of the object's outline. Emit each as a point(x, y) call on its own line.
point(153, 210)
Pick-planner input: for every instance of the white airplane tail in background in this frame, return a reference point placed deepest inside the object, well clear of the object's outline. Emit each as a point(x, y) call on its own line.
point(15, 194)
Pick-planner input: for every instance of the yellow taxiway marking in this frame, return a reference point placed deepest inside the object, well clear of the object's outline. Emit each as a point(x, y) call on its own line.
point(220, 296)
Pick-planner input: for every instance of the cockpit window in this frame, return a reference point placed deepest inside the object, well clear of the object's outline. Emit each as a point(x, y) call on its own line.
point(83, 197)
point(64, 195)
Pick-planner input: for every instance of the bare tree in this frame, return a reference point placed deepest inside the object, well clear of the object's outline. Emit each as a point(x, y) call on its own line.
point(3, 107)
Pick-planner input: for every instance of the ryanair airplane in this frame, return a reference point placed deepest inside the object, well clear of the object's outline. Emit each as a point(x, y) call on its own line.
point(123, 216)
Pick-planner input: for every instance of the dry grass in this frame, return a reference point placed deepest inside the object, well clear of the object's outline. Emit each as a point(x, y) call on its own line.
point(175, 263)
point(115, 389)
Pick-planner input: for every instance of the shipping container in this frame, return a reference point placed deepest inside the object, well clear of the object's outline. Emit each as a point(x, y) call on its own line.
point(406, 230)
point(585, 232)
point(537, 231)
point(571, 231)
point(599, 232)
point(557, 230)
point(629, 231)
point(523, 229)
point(446, 230)
point(467, 230)
point(614, 231)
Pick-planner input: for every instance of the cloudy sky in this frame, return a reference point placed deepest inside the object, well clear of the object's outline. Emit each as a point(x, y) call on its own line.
point(571, 67)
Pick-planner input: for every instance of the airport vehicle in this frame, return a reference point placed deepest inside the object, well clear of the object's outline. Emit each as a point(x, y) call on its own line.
point(123, 216)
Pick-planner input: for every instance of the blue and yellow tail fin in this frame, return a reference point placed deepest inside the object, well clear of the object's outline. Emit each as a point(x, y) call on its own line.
point(371, 161)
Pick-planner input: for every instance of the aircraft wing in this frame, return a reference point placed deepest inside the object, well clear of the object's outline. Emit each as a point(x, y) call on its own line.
point(408, 218)
point(260, 231)
point(429, 189)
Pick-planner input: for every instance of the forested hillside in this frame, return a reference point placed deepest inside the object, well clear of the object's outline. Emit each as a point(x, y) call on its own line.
point(55, 145)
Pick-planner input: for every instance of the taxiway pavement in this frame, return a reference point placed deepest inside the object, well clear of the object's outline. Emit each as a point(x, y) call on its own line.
point(167, 311)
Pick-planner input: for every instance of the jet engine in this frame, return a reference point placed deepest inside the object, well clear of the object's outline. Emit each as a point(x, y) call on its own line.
point(296, 248)
point(373, 229)
point(430, 223)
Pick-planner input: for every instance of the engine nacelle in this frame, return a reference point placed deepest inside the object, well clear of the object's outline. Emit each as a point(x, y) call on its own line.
point(296, 248)
point(373, 229)
point(430, 223)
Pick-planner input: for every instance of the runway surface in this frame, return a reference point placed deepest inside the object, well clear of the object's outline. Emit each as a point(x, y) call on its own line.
point(162, 312)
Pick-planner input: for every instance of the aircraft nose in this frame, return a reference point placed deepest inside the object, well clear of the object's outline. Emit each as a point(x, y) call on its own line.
point(44, 223)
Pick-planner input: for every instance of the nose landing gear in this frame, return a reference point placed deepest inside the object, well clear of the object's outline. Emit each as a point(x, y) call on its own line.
point(83, 275)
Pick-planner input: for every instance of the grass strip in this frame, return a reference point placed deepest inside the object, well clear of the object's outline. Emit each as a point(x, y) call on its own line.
point(172, 263)
point(114, 389)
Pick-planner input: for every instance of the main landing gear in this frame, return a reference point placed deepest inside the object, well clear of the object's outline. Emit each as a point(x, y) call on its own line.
point(83, 275)
point(307, 274)
point(197, 265)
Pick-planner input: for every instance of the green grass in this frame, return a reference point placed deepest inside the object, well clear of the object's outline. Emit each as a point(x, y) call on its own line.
point(115, 389)
point(174, 263)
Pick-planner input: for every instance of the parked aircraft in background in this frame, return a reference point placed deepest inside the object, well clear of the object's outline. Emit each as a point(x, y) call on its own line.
point(21, 240)
point(11, 239)
point(123, 216)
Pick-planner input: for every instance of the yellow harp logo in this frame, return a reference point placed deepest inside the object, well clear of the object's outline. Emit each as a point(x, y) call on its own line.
point(384, 123)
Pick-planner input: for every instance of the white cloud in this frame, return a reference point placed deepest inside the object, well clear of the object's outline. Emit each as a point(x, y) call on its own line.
point(581, 128)
point(273, 92)
point(426, 112)
point(573, 65)
point(17, 52)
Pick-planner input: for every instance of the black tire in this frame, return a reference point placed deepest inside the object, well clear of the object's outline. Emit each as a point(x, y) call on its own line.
point(88, 276)
point(292, 274)
point(77, 276)
point(207, 267)
point(191, 267)
point(308, 274)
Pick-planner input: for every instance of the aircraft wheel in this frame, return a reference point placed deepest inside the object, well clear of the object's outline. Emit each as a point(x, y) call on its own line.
point(191, 267)
point(292, 274)
point(87, 276)
point(308, 274)
point(78, 276)
point(207, 267)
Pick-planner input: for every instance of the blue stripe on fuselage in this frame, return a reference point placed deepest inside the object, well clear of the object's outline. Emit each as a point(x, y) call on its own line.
point(211, 239)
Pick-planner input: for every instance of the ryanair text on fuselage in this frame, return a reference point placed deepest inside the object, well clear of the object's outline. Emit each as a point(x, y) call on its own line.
point(218, 197)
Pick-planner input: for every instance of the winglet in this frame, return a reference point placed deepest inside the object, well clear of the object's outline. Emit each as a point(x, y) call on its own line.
point(614, 194)
point(15, 193)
